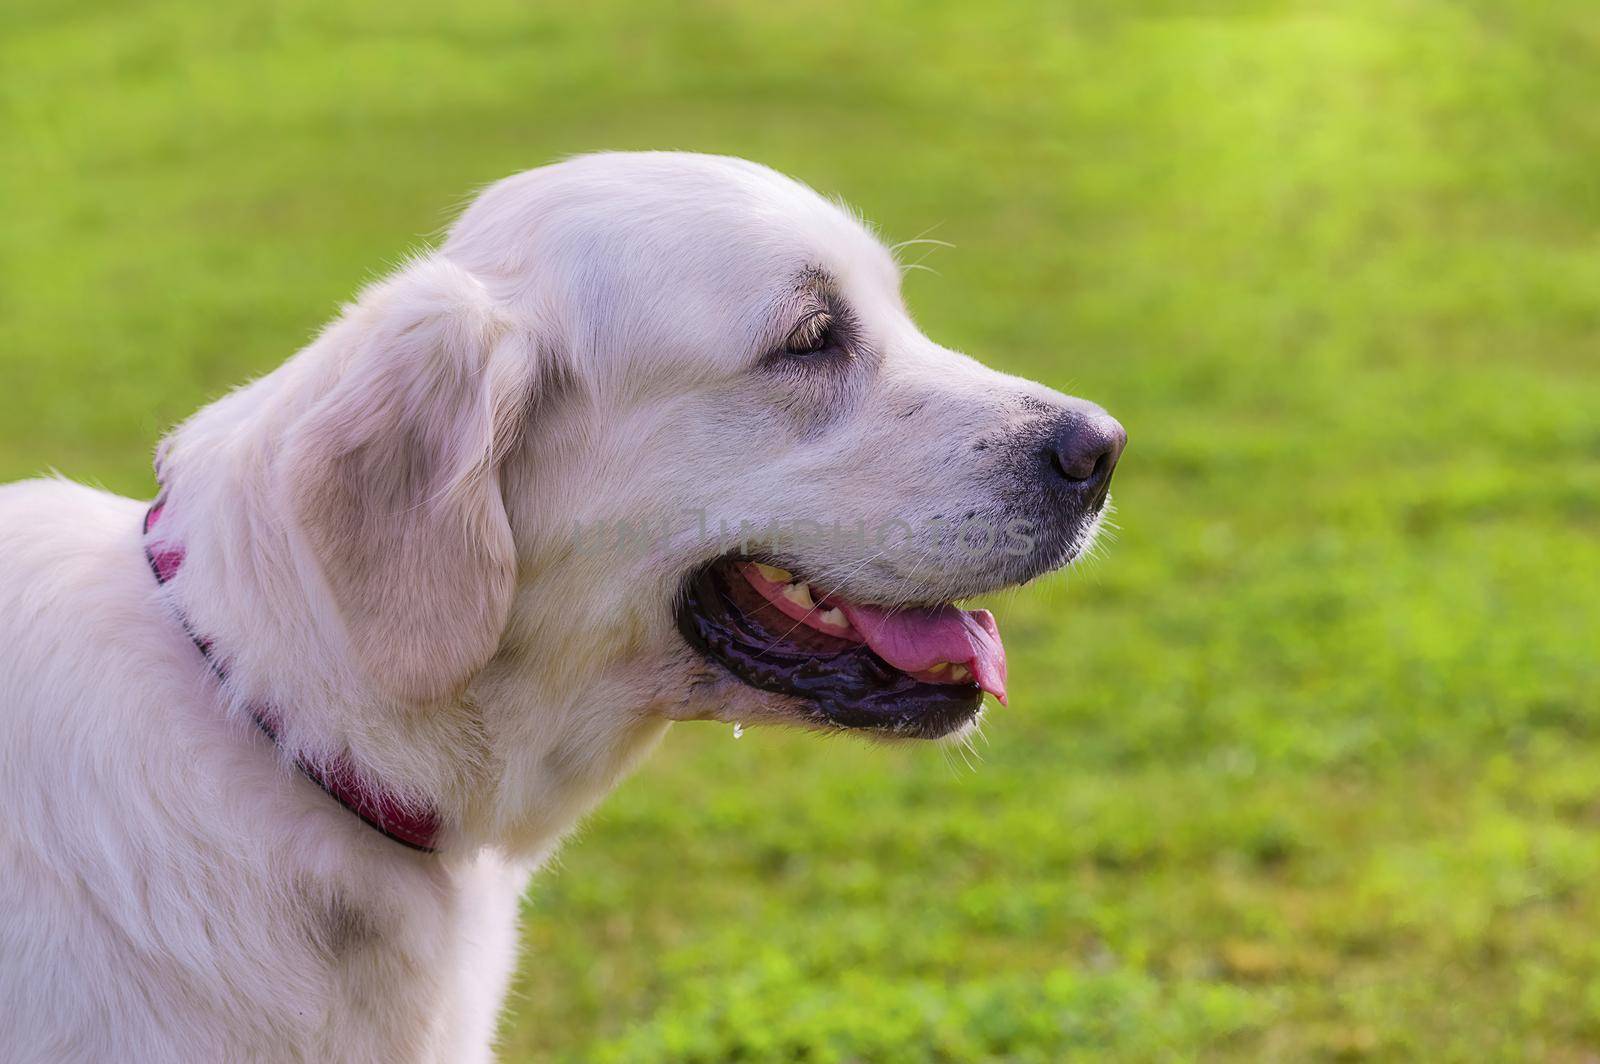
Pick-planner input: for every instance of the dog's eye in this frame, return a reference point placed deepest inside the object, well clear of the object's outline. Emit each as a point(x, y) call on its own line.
point(811, 336)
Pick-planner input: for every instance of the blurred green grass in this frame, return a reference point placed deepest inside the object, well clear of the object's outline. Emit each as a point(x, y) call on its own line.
point(1307, 766)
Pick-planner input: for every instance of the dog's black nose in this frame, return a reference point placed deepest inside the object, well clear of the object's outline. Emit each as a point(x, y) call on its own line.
point(1083, 450)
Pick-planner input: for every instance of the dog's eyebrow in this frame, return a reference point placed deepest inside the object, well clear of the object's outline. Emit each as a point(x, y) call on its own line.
point(817, 278)
point(815, 288)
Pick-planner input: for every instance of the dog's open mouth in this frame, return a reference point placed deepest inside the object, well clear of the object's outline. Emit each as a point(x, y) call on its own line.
point(918, 672)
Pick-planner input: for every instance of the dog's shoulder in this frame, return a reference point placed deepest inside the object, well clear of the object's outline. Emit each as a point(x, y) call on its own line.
point(52, 519)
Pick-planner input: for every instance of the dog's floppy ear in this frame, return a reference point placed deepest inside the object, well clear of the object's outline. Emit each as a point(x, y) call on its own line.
point(393, 475)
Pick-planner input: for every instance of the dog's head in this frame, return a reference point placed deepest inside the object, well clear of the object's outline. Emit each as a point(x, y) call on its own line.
point(653, 437)
point(667, 414)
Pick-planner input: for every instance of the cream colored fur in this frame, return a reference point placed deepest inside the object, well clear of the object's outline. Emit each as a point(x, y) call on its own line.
point(379, 543)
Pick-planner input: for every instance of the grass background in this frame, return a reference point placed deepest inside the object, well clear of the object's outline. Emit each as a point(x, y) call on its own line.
point(1307, 766)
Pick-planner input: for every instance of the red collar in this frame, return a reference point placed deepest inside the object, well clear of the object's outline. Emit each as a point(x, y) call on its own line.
point(380, 809)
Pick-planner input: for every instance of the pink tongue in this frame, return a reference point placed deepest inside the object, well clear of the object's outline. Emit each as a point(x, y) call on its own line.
point(915, 640)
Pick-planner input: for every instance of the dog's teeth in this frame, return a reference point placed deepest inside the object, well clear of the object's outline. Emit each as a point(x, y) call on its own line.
point(834, 617)
point(773, 573)
point(800, 595)
point(960, 673)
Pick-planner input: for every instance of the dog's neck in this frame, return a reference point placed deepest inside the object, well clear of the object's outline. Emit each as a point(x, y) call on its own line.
point(512, 760)
point(410, 825)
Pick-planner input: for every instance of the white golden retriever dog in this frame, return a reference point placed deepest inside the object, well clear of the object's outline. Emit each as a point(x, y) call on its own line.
point(279, 753)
